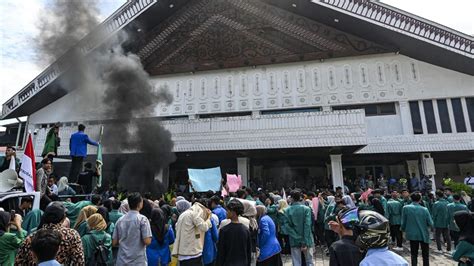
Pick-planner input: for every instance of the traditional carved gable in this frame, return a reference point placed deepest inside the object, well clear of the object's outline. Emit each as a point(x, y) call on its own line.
point(213, 34)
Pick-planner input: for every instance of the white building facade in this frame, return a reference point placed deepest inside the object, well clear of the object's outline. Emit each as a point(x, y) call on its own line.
point(308, 118)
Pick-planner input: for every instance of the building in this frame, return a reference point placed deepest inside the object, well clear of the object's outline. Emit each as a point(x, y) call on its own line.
point(289, 91)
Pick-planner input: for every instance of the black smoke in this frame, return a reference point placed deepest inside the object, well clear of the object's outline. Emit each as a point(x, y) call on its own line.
point(127, 94)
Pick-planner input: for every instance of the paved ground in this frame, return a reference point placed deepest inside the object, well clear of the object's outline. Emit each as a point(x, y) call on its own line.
point(435, 259)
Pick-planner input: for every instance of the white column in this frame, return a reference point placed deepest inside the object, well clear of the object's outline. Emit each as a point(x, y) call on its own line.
point(423, 117)
point(436, 114)
point(451, 116)
point(243, 169)
point(413, 167)
point(466, 114)
point(336, 171)
point(406, 118)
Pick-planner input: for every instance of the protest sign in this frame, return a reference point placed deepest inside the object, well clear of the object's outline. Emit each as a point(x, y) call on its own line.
point(205, 179)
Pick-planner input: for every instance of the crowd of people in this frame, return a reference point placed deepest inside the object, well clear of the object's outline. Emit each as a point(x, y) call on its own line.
point(244, 228)
point(251, 226)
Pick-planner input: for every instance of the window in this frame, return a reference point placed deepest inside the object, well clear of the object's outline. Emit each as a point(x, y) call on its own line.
point(416, 118)
point(371, 109)
point(470, 111)
point(225, 115)
point(291, 111)
point(458, 115)
point(444, 116)
point(430, 117)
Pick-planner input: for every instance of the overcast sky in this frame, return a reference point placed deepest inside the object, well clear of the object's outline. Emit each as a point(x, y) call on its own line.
point(18, 64)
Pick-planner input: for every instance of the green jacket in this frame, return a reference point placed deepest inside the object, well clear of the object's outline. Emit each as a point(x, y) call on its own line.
point(463, 249)
point(51, 144)
point(91, 240)
point(114, 215)
point(416, 221)
point(440, 214)
point(394, 212)
point(452, 208)
point(83, 229)
point(272, 212)
point(282, 223)
point(9, 244)
point(299, 225)
point(321, 211)
point(328, 215)
point(32, 220)
point(73, 209)
point(450, 199)
point(383, 200)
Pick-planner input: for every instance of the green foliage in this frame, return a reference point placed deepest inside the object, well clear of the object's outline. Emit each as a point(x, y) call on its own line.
point(458, 187)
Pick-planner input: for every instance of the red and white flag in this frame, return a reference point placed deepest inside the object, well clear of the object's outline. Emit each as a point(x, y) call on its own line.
point(28, 166)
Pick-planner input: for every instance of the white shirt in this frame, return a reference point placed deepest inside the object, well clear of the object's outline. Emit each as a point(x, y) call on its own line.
point(54, 189)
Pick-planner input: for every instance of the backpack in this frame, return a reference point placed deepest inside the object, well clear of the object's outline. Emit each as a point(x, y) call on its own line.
point(101, 254)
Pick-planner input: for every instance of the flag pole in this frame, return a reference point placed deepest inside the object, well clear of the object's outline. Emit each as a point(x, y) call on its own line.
point(98, 161)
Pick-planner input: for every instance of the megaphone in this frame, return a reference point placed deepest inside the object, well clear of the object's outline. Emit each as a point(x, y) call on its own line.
point(8, 180)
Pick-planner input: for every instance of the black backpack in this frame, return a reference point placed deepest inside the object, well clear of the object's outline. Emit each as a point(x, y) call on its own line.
point(101, 254)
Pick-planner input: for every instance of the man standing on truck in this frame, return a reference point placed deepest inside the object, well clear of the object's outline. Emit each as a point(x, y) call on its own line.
point(78, 148)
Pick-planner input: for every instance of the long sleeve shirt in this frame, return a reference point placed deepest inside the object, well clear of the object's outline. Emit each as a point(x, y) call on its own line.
point(234, 247)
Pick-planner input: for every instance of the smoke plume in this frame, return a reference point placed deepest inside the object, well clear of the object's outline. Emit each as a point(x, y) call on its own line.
point(124, 87)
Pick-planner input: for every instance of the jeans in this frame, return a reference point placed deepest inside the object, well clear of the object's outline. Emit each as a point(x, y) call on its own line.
point(425, 252)
point(446, 238)
point(396, 234)
point(296, 256)
point(76, 168)
point(454, 237)
point(191, 262)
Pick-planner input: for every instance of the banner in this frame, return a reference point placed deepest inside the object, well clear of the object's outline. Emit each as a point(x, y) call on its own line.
point(28, 166)
point(205, 179)
point(98, 165)
point(234, 182)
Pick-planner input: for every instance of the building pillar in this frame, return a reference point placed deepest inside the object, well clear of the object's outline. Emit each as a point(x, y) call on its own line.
point(406, 118)
point(423, 117)
point(243, 169)
point(466, 115)
point(336, 171)
point(437, 118)
point(454, 129)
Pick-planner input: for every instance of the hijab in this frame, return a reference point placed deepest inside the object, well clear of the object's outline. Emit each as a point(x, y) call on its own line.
point(331, 200)
point(85, 213)
point(282, 205)
point(96, 222)
point(348, 202)
point(63, 184)
point(250, 212)
point(4, 221)
point(182, 205)
point(159, 224)
point(261, 211)
point(105, 214)
point(465, 221)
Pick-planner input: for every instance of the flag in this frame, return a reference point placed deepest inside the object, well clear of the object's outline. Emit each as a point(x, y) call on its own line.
point(98, 165)
point(28, 166)
point(12, 163)
point(283, 193)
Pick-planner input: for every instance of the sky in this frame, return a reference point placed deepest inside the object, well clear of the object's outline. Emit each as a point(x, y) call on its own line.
point(18, 19)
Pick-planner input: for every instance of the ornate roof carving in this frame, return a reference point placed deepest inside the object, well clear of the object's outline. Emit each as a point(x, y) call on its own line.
point(217, 34)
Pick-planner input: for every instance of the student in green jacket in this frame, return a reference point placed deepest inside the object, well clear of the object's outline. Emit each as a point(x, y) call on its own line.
point(449, 194)
point(10, 242)
point(299, 229)
point(464, 252)
point(441, 221)
point(453, 207)
point(394, 216)
point(114, 214)
point(96, 234)
point(416, 221)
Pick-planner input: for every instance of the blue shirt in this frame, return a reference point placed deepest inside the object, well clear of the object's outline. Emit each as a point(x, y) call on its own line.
point(49, 263)
point(220, 212)
point(78, 144)
point(381, 257)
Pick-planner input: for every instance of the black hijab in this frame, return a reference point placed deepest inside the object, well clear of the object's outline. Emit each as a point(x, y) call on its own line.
point(105, 214)
point(159, 224)
point(465, 221)
point(4, 221)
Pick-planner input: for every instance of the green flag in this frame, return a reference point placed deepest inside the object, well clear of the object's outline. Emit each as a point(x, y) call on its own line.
point(98, 165)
